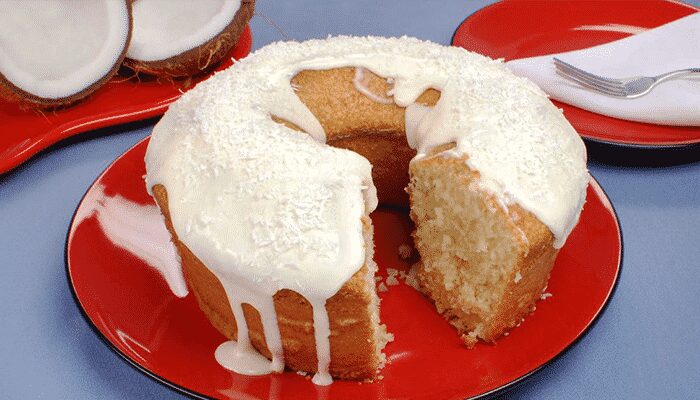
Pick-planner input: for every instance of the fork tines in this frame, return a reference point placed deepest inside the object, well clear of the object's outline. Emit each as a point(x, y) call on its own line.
point(613, 87)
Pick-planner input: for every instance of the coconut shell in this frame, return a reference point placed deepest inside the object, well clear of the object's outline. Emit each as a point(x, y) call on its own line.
point(202, 58)
point(10, 92)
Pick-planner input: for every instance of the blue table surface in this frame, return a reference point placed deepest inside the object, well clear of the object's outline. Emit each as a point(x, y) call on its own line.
point(646, 344)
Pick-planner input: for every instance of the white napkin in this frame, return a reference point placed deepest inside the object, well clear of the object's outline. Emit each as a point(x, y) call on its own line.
point(675, 45)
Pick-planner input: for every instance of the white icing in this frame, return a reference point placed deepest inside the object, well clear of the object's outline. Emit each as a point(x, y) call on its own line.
point(361, 86)
point(54, 49)
point(166, 28)
point(415, 116)
point(268, 208)
point(323, 349)
point(243, 360)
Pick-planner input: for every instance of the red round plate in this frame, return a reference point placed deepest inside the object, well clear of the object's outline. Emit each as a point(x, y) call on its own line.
point(122, 99)
point(131, 307)
point(514, 29)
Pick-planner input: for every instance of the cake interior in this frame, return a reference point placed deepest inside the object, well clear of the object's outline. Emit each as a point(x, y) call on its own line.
point(469, 253)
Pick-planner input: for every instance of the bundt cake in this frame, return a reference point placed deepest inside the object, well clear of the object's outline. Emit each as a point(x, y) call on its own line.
point(266, 176)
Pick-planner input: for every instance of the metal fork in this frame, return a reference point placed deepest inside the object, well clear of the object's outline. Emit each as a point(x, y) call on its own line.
point(623, 87)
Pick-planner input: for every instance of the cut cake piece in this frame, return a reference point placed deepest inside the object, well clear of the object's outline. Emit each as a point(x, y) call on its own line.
point(484, 263)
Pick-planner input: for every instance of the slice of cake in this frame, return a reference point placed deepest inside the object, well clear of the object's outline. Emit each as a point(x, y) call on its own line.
point(484, 263)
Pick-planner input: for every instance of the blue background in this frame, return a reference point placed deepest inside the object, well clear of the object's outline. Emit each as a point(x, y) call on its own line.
point(646, 344)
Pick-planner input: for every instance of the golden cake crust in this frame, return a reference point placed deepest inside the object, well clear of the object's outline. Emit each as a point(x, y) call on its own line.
point(352, 343)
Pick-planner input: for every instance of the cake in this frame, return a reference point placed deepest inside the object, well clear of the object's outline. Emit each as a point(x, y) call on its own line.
point(267, 172)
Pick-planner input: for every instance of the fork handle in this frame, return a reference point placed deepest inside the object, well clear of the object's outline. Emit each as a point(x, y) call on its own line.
point(675, 74)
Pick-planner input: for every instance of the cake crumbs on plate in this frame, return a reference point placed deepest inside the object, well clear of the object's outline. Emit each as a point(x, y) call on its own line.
point(411, 278)
point(405, 251)
point(391, 280)
point(470, 340)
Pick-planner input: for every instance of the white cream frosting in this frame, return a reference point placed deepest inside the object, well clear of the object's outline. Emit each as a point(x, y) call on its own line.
point(269, 208)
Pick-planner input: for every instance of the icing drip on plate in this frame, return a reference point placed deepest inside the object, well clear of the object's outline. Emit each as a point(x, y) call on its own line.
point(240, 356)
point(268, 208)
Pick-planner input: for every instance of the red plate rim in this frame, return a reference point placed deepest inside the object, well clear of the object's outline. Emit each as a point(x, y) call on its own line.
point(585, 132)
point(600, 192)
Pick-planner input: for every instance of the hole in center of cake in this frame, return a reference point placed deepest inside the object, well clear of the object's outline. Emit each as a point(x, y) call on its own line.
point(375, 130)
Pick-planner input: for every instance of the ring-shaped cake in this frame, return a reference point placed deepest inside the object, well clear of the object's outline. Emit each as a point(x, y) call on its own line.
point(267, 173)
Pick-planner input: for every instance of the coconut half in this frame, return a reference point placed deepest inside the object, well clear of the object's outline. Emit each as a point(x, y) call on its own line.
point(177, 38)
point(56, 52)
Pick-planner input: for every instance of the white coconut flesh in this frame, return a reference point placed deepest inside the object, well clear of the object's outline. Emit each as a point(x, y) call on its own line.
point(167, 28)
point(55, 49)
